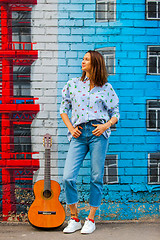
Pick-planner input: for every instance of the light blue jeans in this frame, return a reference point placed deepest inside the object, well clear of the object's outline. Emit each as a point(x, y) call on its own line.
point(79, 147)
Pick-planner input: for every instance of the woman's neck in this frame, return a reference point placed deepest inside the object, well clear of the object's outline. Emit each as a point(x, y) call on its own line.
point(87, 74)
point(91, 82)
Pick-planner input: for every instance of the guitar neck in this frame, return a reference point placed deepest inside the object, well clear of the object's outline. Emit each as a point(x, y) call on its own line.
point(47, 173)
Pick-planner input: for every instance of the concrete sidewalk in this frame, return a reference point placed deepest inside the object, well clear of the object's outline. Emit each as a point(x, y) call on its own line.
point(105, 230)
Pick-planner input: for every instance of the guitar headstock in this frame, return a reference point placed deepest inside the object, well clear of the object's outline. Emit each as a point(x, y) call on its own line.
point(47, 141)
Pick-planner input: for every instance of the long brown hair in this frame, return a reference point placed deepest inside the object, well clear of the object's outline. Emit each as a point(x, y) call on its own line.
point(98, 70)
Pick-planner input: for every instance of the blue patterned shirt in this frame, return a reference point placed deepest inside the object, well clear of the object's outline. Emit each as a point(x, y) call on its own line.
point(99, 103)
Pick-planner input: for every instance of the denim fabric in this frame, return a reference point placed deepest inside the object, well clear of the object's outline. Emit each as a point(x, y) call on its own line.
point(79, 147)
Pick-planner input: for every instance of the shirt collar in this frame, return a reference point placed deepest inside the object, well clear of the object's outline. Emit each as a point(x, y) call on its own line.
point(86, 78)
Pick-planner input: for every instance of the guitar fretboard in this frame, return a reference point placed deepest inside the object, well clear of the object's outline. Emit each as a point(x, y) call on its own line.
point(47, 173)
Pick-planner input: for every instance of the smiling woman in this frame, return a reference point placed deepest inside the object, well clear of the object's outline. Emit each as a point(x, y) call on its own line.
point(94, 106)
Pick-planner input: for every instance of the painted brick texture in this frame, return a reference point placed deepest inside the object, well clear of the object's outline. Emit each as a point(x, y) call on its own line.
point(130, 34)
point(63, 31)
point(32, 23)
point(44, 80)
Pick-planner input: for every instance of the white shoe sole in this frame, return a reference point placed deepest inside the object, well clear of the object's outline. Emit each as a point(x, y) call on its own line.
point(72, 231)
point(88, 232)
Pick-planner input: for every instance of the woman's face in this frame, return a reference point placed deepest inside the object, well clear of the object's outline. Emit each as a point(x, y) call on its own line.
point(86, 63)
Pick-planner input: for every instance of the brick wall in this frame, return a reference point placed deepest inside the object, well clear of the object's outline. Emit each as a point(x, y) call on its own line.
point(130, 34)
point(35, 23)
point(64, 30)
point(44, 80)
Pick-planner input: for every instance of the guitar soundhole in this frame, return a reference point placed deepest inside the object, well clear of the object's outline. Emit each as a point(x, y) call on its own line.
point(47, 194)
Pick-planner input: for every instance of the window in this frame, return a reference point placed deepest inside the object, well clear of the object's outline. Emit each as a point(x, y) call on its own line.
point(21, 19)
point(153, 115)
point(21, 80)
point(154, 168)
point(22, 139)
point(154, 60)
point(153, 9)
point(21, 31)
point(111, 169)
point(109, 57)
point(105, 10)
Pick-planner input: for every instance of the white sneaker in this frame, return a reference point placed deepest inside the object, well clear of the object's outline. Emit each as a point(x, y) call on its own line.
point(72, 226)
point(88, 227)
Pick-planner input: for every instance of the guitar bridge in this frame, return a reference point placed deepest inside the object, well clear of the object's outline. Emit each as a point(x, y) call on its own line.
point(47, 212)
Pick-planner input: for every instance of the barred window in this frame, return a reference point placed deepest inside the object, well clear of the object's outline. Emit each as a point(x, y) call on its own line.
point(22, 138)
point(153, 115)
point(153, 9)
point(154, 168)
point(21, 30)
point(21, 19)
point(21, 81)
point(105, 10)
point(109, 56)
point(111, 169)
point(154, 60)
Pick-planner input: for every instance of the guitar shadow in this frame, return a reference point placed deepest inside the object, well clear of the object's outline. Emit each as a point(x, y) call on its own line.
point(56, 229)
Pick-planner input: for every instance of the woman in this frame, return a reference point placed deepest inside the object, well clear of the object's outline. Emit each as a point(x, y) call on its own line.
point(94, 106)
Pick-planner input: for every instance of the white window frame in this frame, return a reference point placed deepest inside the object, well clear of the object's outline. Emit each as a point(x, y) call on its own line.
point(106, 2)
point(157, 165)
point(104, 53)
point(155, 109)
point(106, 167)
point(149, 18)
point(158, 59)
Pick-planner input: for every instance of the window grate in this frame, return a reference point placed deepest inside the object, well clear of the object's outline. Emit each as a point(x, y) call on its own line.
point(153, 115)
point(111, 169)
point(154, 168)
point(105, 10)
point(153, 9)
point(153, 60)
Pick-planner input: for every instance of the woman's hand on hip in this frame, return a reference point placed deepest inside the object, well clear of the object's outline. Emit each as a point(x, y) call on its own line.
point(76, 132)
point(100, 128)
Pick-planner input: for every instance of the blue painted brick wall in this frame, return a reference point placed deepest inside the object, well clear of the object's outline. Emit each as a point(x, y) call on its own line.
point(130, 34)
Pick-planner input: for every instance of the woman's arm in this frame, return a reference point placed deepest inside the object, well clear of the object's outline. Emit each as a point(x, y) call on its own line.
point(100, 128)
point(112, 121)
point(74, 131)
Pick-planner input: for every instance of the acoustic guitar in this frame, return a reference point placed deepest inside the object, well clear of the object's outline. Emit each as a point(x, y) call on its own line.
point(46, 211)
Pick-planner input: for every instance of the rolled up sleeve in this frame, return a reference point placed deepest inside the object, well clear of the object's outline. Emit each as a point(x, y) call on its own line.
point(114, 112)
point(113, 104)
point(66, 101)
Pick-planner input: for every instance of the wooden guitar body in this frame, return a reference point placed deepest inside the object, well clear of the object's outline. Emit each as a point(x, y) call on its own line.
point(46, 211)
